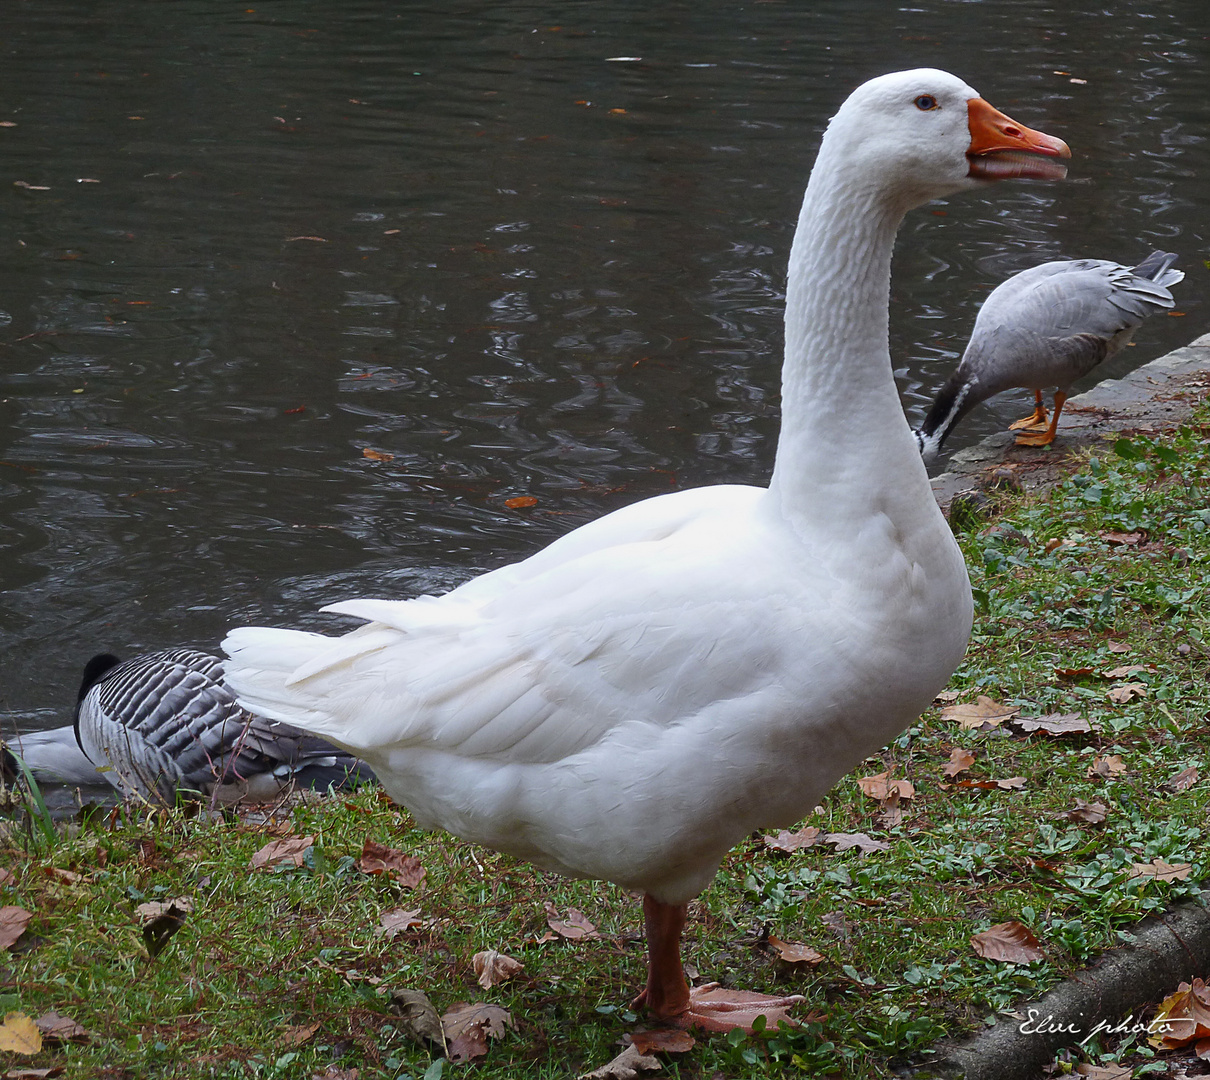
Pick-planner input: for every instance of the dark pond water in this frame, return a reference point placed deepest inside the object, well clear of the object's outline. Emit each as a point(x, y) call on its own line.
point(244, 245)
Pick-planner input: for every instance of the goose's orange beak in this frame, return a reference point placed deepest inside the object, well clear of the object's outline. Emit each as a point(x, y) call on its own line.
point(1001, 148)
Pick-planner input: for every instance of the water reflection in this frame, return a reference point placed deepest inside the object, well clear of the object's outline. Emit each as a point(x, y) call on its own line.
point(245, 248)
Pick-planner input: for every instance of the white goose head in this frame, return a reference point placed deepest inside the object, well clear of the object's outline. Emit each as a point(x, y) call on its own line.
point(925, 133)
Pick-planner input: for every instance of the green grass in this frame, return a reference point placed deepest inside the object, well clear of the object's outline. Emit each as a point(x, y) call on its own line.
point(265, 952)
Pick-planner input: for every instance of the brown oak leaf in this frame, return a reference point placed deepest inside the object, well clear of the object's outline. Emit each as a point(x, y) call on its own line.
point(377, 858)
point(960, 760)
point(787, 841)
point(1161, 871)
point(1183, 780)
point(468, 1027)
point(1182, 1017)
point(59, 1028)
point(983, 714)
point(417, 1016)
point(662, 1041)
point(1054, 724)
point(573, 925)
point(794, 952)
point(1107, 767)
point(628, 1065)
point(1011, 941)
point(860, 841)
point(297, 1034)
point(492, 968)
point(280, 854)
point(1093, 813)
point(13, 921)
point(881, 787)
point(397, 921)
point(1127, 692)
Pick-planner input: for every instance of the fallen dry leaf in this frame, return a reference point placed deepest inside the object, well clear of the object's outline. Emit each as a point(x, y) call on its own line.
point(417, 1017)
point(662, 1041)
point(838, 924)
point(33, 1074)
point(153, 909)
point(1127, 692)
point(795, 841)
point(947, 697)
point(1183, 780)
point(626, 1066)
point(1127, 670)
point(376, 455)
point(69, 877)
point(13, 921)
point(844, 841)
point(1119, 647)
point(1092, 813)
point(520, 502)
point(59, 1028)
point(468, 1027)
point(297, 1034)
point(982, 714)
point(7, 877)
point(1054, 724)
point(881, 787)
point(1103, 1072)
point(1182, 1017)
point(160, 919)
point(379, 859)
point(573, 925)
point(1011, 941)
point(1011, 783)
point(20, 1035)
point(397, 921)
point(890, 813)
point(1107, 767)
point(281, 854)
point(1161, 871)
point(1073, 672)
point(1120, 538)
point(960, 760)
point(492, 968)
point(793, 952)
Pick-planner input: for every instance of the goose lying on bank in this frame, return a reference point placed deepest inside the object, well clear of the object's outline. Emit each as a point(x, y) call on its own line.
point(164, 724)
point(638, 697)
point(1048, 326)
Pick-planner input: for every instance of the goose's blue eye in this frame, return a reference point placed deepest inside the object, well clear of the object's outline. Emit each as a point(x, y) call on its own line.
point(926, 102)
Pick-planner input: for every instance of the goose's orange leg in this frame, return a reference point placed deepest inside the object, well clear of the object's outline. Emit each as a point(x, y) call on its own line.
point(668, 996)
point(1035, 421)
point(1045, 438)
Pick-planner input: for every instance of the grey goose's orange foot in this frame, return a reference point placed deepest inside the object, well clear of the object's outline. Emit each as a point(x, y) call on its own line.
point(1032, 437)
point(1036, 420)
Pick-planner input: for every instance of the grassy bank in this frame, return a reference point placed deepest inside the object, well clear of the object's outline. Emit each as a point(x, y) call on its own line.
point(1091, 615)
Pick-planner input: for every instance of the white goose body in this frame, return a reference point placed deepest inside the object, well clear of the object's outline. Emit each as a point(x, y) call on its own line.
point(632, 701)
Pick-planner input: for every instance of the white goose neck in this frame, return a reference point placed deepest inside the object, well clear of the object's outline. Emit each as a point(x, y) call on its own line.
point(844, 440)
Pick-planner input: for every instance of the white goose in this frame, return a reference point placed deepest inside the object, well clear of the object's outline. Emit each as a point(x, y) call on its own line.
point(635, 699)
point(1048, 326)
